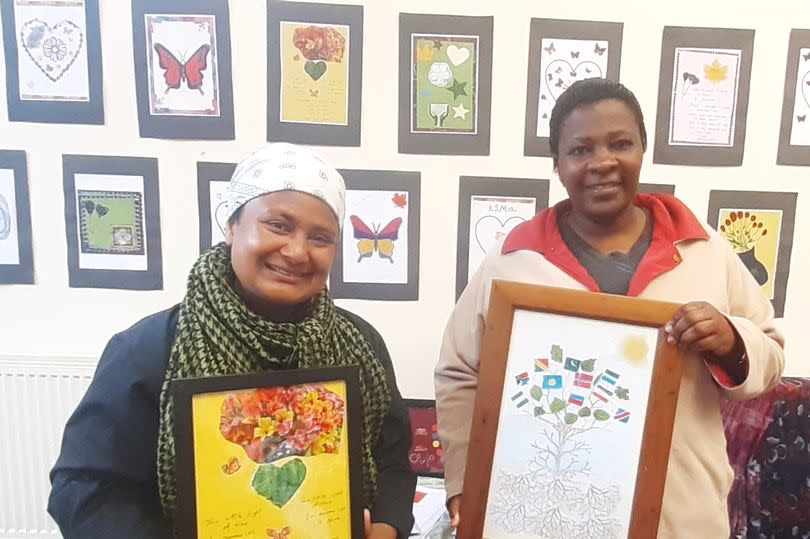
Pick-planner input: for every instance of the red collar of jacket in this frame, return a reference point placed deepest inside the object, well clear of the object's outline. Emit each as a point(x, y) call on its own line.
point(673, 222)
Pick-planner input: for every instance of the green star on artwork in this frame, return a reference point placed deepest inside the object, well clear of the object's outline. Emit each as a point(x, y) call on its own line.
point(458, 88)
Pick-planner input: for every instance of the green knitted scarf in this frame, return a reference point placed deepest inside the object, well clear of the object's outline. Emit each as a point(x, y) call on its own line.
point(217, 334)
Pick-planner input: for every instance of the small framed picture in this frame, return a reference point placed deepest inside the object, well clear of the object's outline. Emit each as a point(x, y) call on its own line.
point(488, 209)
point(562, 52)
point(445, 84)
point(378, 251)
point(112, 213)
point(182, 52)
point(794, 132)
point(704, 82)
point(254, 460)
point(16, 246)
point(53, 61)
point(759, 225)
point(315, 57)
point(212, 202)
point(577, 386)
point(426, 450)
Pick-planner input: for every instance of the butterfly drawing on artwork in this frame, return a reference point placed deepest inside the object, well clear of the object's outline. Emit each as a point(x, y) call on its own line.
point(801, 118)
point(599, 50)
point(176, 72)
point(232, 466)
point(550, 49)
point(806, 56)
point(370, 240)
point(283, 533)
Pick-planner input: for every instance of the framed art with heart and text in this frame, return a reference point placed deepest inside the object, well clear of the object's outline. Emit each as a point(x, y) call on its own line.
point(16, 249)
point(53, 61)
point(182, 52)
point(794, 132)
point(212, 203)
point(445, 84)
point(488, 209)
point(560, 53)
point(377, 255)
point(314, 69)
point(112, 216)
point(274, 454)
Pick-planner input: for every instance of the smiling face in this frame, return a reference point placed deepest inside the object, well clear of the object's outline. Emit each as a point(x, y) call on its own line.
point(599, 159)
point(282, 248)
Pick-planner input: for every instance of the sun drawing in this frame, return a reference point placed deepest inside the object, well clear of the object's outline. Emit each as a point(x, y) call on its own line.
point(634, 349)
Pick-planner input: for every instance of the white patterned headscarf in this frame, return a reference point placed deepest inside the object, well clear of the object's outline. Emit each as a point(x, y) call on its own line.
point(282, 166)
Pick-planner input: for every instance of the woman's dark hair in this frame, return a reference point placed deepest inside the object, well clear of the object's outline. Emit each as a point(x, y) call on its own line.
point(585, 92)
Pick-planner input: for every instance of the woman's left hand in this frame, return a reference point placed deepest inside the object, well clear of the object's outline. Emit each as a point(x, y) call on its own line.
point(377, 530)
point(699, 328)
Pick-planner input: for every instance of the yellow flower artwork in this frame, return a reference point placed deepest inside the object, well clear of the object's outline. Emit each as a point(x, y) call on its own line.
point(716, 72)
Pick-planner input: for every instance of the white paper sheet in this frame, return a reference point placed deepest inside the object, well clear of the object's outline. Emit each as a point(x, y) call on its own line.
point(492, 218)
point(218, 204)
point(800, 133)
point(705, 85)
point(52, 50)
point(9, 240)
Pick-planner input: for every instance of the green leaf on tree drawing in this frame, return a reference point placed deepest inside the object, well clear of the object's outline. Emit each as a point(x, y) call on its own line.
point(570, 418)
point(557, 405)
point(556, 353)
point(585, 412)
point(601, 415)
point(588, 365)
point(623, 393)
point(536, 393)
point(538, 411)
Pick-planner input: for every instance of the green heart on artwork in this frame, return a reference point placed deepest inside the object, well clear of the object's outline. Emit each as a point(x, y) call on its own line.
point(279, 484)
point(315, 69)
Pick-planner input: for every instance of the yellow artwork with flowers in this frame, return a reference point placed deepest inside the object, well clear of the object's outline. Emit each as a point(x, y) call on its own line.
point(754, 235)
point(314, 73)
point(272, 462)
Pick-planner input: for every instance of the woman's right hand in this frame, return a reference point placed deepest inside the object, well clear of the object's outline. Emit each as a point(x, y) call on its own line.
point(454, 507)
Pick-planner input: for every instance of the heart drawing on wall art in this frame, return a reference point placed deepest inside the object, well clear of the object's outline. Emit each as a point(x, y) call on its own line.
point(490, 229)
point(53, 49)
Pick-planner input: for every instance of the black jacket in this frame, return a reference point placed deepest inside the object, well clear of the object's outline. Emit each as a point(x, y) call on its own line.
point(104, 483)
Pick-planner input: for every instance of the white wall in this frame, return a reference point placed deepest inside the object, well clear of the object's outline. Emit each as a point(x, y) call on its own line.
point(50, 319)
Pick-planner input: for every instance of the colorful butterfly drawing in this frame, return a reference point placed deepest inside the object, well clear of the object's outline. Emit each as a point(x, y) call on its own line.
point(378, 240)
point(232, 466)
point(283, 533)
point(599, 50)
point(176, 72)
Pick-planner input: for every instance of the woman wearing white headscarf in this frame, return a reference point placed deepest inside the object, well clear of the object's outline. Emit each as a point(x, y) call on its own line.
point(254, 303)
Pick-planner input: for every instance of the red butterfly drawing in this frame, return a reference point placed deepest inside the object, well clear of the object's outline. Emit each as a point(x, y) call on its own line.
point(177, 71)
point(370, 240)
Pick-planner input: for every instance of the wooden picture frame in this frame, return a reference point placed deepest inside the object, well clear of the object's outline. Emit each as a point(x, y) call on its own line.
point(377, 255)
point(723, 57)
point(794, 128)
point(575, 48)
point(112, 215)
point(555, 316)
point(512, 200)
point(315, 96)
point(16, 244)
point(218, 474)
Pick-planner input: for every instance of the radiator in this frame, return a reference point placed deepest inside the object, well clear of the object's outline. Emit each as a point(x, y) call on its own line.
point(36, 398)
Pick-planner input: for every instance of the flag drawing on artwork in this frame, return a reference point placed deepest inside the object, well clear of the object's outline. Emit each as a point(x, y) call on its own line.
point(609, 376)
point(540, 364)
point(572, 364)
point(584, 380)
point(602, 393)
point(552, 381)
point(622, 415)
point(575, 399)
point(520, 399)
point(522, 379)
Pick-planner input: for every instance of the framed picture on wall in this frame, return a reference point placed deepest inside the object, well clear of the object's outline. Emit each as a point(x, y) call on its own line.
point(598, 411)
point(378, 251)
point(445, 84)
point(212, 202)
point(794, 132)
point(653, 188)
point(16, 246)
point(562, 52)
point(759, 225)
point(240, 474)
point(53, 61)
point(112, 215)
point(488, 209)
point(182, 51)
point(704, 82)
point(315, 60)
